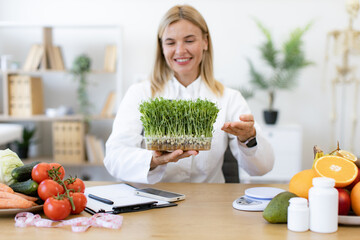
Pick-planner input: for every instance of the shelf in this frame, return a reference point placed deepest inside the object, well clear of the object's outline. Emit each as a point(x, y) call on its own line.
point(99, 117)
point(19, 71)
point(44, 118)
point(96, 41)
point(31, 25)
point(50, 160)
point(39, 118)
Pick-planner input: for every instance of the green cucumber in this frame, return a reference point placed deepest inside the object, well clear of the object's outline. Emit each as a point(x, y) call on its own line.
point(23, 173)
point(28, 187)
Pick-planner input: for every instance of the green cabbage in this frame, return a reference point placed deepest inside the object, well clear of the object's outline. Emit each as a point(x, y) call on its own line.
point(8, 161)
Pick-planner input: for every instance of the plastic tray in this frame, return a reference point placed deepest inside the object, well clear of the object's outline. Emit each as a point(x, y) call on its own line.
point(174, 143)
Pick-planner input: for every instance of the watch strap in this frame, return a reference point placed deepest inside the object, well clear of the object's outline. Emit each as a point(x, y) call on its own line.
point(251, 142)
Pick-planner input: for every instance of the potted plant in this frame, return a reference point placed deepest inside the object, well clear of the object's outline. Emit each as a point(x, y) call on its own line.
point(22, 148)
point(283, 66)
point(81, 66)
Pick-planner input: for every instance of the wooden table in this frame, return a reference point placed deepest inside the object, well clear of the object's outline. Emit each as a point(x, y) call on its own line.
point(207, 213)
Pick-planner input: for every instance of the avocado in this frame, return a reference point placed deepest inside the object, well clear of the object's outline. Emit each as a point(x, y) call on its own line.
point(276, 210)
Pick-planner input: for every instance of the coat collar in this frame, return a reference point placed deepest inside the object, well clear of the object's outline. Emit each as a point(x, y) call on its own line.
point(197, 89)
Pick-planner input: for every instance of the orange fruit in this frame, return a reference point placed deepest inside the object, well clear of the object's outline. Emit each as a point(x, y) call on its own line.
point(349, 156)
point(346, 154)
point(355, 199)
point(340, 169)
point(301, 182)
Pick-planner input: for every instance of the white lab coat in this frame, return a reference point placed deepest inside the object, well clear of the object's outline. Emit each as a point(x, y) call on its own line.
point(127, 160)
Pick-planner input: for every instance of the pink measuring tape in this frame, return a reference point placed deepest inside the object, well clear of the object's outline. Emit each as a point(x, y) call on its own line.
point(80, 224)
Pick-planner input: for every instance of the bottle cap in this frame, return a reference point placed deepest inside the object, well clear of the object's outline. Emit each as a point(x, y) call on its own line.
point(323, 182)
point(298, 201)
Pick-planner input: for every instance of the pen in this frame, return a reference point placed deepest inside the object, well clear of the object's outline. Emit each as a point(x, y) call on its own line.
point(100, 199)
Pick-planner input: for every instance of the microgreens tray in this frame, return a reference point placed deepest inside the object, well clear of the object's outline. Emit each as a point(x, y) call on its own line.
point(178, 124)
point(174, 143)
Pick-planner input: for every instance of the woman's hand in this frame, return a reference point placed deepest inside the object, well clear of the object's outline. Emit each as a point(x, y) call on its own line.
point(160, 158)
point(243, 129)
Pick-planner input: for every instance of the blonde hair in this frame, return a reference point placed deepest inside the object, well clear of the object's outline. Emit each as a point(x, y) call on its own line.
point(162, 72)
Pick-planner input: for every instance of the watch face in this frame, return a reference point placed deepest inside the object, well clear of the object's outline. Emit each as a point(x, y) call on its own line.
point(252, 143)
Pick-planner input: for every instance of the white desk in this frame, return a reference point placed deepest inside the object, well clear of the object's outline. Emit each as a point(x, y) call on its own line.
point(10, 132)
point(286, 141)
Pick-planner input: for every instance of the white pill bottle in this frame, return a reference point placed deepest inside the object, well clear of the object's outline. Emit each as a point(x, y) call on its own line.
point(323, 205)
point(298, 214)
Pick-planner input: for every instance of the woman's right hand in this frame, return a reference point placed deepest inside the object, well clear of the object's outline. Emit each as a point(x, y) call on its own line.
point(160, 158)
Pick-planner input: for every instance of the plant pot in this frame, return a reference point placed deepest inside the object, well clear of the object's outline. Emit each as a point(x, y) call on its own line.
point(21, 151)
point(270, 116)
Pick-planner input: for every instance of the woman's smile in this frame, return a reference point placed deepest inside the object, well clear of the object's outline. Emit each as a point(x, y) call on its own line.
point(182, 61)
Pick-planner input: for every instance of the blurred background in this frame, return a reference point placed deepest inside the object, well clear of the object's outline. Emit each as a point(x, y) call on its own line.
point(132, 26)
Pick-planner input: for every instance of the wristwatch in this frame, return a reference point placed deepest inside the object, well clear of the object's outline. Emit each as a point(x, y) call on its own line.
point(251, 142)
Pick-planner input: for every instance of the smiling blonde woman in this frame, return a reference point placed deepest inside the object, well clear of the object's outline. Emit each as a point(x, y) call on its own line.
point(162, 72)
point(183, 69)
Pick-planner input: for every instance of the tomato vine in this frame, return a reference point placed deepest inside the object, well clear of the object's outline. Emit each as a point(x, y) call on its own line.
point(55, 174)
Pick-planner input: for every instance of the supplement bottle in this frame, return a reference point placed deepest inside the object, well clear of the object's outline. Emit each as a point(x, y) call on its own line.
point(323, 205)
point(298, 215)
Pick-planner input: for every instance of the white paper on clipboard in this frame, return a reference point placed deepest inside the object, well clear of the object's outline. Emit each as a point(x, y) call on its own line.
point(121, 194)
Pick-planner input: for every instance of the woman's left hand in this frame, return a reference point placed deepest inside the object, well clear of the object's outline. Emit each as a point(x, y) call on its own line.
point(243, 129)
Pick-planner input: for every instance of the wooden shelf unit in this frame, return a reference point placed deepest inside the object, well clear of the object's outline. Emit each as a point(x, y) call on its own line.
point(116, 32)
point(44, 118)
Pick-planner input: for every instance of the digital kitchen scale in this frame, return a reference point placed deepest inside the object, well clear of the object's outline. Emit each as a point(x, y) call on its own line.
point(256, 199)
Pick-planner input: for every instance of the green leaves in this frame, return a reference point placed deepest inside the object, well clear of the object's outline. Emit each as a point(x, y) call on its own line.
point(294, 57)
point(267, 49)
point(257, 78)
point(178, 118)
point(81, 66)
point(284, 64)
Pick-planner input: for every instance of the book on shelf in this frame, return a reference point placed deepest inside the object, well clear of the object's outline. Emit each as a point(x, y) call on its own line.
point(47, 41)
point(30, 57)
point(44, 56)
point(99, 150)
point(59, 61)
point(39, 57)
point(110, 58)
point(34, 57)
point(55, 60)
point(109, 107)
point(90, 153)
point(50, 54)
point(95, 149)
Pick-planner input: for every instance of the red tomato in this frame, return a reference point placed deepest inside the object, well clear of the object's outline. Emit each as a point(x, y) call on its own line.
point(57, 209)
point(79, 202)
point(58, 166)
point(40, 172)
point(344, 201)
point(49, 188)
point(75, 184)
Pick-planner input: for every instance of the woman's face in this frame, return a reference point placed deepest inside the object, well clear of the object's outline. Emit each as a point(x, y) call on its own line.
point(183, 45)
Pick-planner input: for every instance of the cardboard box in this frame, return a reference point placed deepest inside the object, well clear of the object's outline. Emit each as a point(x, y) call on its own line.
point(25, 95)
point(68, 142)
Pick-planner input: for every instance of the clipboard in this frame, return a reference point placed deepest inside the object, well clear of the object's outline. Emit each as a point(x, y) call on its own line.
point(124, 200)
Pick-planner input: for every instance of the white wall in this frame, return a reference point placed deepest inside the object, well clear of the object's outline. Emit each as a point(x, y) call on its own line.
point(235, 38)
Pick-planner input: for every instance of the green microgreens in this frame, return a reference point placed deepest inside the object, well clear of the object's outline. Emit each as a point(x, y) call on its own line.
point(178, 118)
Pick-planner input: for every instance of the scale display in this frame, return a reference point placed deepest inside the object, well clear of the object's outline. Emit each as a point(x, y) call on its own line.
point(256, 199)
